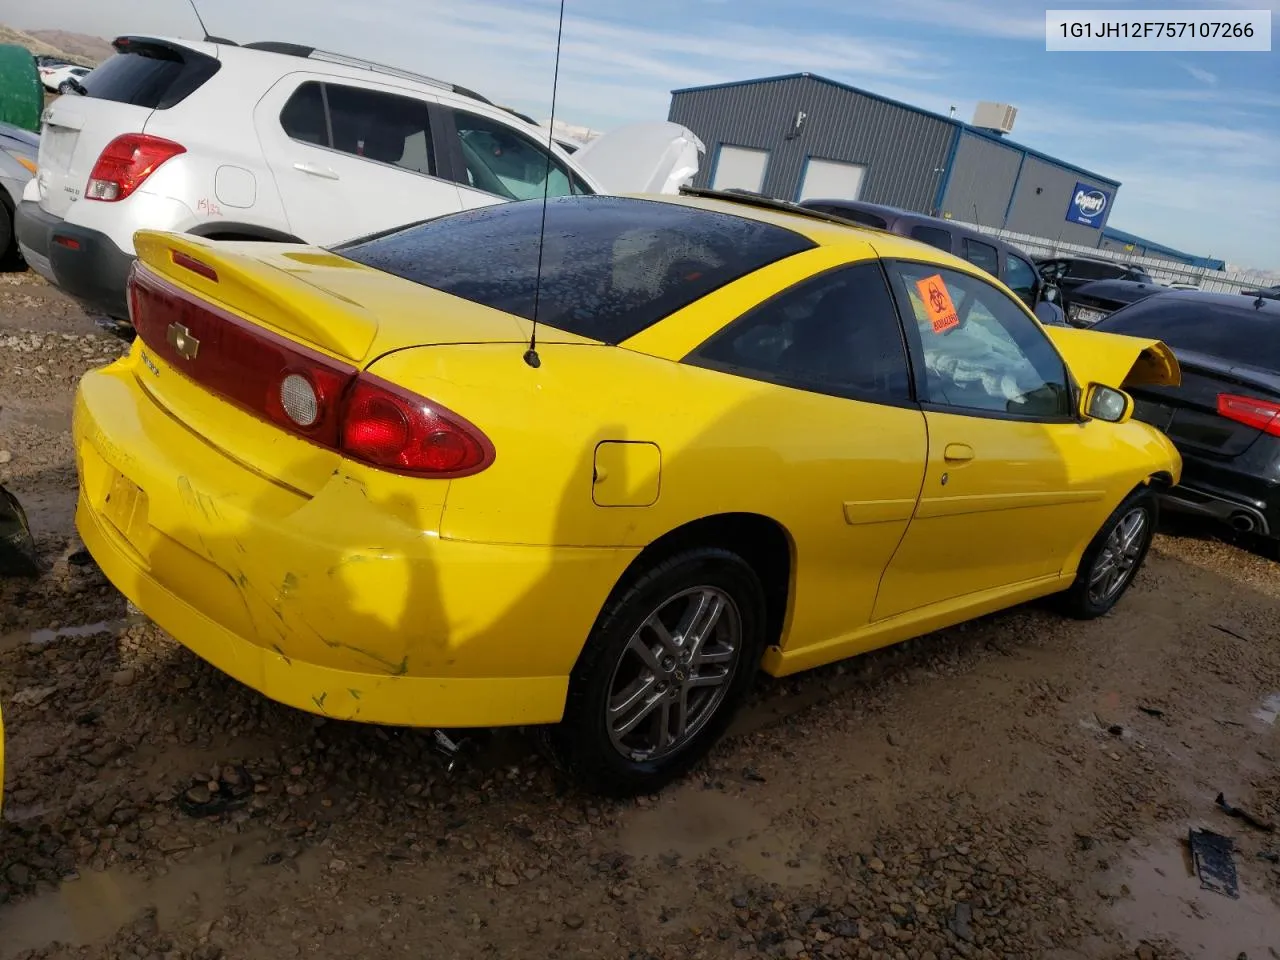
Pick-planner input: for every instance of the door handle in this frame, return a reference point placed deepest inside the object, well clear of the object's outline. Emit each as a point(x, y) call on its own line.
point(316, 171)
point(958, 453)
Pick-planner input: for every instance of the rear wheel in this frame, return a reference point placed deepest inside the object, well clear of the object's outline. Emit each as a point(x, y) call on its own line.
point(66, 86)
point(1113, 558)
point(666, 666)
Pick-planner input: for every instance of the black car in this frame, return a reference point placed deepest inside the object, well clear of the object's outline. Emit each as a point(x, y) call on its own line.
point(1270, 293)
point(1002, 260)
point(1090, 302)
point(1068, 273)
point(1224, 418)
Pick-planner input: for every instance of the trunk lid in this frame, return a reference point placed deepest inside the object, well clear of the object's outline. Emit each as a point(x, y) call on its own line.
point(144, 75)
point(654, 157)
point(1189, 413)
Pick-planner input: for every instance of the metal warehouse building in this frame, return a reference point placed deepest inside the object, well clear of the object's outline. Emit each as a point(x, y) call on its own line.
point(802, 136)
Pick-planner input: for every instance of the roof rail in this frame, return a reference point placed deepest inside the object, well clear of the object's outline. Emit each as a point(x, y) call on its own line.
point(341, 59)
point(753, 199)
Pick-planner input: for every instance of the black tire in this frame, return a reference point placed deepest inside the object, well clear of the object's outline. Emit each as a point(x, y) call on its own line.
point(1080, 601)
point(582, 744)
point(8, 246)
point(65, 87)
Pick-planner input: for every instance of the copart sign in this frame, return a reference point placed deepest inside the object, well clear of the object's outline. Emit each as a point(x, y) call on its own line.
point(1088, 205)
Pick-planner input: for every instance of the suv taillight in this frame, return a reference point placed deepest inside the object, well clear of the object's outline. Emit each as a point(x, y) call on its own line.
point(125, 163)
point(1260, 414)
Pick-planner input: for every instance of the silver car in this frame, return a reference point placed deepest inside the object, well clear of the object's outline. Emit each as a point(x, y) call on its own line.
point(18, 150)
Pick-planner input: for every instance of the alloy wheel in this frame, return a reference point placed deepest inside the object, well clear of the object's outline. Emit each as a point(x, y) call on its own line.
point(1119, 556)
point(674, 673)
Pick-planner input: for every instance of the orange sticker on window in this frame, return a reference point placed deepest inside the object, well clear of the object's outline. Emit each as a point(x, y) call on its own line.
point(937, 303)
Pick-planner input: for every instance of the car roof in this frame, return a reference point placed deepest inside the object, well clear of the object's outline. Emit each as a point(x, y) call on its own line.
point(823, 229)
point(895, 214)
point(323, 61)
point(1227, 302)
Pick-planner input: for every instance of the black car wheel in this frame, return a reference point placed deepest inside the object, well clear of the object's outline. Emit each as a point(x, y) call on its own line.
point(668, 662)
point(1113, 557)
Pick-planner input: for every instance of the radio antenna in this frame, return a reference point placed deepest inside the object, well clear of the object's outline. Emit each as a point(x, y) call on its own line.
point(203, 29)
point(531, 355)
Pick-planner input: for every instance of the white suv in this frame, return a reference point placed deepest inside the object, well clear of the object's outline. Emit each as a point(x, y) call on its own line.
point(275, 141)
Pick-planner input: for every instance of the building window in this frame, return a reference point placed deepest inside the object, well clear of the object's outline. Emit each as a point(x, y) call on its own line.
point(739, 168)
point(831, 180)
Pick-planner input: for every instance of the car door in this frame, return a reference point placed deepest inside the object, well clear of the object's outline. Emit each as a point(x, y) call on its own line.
point(1020, 277)
point(494, 162)
point(850, 440)
point(351, 159)
point(1000, 504)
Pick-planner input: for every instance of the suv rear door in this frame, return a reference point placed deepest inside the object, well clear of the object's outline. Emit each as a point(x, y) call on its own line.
point(351, 159)
point(145, 75)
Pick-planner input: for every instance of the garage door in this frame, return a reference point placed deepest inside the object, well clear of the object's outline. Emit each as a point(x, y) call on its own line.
point(739, 167)
point(831, 180)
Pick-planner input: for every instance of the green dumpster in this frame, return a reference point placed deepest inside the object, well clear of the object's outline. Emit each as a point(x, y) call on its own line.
point(21, 93)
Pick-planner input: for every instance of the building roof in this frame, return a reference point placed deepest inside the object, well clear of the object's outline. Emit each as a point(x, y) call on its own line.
point(1121, 236)
point(967, 127)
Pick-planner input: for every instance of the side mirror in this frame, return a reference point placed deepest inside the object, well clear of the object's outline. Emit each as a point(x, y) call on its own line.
point(1107, 404)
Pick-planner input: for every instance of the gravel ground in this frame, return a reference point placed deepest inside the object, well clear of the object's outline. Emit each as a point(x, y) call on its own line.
point(1018, 787)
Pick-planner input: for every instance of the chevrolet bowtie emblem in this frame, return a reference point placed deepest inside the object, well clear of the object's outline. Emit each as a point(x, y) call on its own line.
point(181, 340)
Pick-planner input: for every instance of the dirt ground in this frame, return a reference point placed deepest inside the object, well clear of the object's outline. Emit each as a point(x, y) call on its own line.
point(1018, 787)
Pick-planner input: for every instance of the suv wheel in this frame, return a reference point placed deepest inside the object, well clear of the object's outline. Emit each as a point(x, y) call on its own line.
point(667, 664)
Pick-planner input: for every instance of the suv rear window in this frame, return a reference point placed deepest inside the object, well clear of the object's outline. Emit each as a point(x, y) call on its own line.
point(151, 75)
point(1249, 337)
point(611, 266)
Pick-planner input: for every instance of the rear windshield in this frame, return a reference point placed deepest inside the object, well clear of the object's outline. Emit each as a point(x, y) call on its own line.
point(610, 266)
point(1247, 337)
point(151, 75)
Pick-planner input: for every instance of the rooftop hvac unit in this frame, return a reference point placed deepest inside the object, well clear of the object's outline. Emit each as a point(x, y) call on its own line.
point(997, 117)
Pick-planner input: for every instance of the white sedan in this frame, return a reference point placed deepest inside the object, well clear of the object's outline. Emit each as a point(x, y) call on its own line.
point(62, 79)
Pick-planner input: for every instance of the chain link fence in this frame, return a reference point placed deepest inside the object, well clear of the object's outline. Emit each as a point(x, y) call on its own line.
point(1165, 271)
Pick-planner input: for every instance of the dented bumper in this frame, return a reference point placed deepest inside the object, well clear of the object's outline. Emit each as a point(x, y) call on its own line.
point(331, 603)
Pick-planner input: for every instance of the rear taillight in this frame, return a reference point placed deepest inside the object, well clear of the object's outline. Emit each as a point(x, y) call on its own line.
point(125, 163)
point(1262, 415)
point(389, 427)
point(305, 392)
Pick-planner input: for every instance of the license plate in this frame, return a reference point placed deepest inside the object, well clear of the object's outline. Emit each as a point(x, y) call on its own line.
point(1090, 317)
point(57, 147)
point(124, 505)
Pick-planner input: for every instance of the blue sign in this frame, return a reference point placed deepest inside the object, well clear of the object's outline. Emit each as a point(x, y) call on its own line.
point(1088, 205)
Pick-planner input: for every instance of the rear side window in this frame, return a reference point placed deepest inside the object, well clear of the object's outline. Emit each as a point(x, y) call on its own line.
point(982, 255)
point(364, 123)
point(152, 75)
point(933, 236)
point(611, 266)
point(837, 333)
point(1247, 337)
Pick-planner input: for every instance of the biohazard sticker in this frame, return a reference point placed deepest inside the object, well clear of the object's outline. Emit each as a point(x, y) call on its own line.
point(937, 303)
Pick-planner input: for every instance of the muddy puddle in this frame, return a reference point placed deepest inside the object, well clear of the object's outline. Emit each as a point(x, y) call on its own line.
point(1268, 710)
point(693, 822)
point(1166, 903)
point(42, 638)
point(93, 907)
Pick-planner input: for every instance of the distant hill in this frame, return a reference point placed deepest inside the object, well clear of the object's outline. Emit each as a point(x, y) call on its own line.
point(79, 45)
point(79, 48)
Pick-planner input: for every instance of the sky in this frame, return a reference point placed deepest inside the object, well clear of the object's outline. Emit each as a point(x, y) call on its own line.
point(1193, 138)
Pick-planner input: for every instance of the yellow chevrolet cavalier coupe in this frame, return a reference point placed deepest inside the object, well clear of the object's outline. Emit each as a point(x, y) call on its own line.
point(363, 481)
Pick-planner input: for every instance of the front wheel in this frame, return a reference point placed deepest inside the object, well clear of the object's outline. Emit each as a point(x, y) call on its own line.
point(667, 664)
point(1113, 557)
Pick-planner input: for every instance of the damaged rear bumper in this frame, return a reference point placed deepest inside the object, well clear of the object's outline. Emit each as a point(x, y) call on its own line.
point(329, 603)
